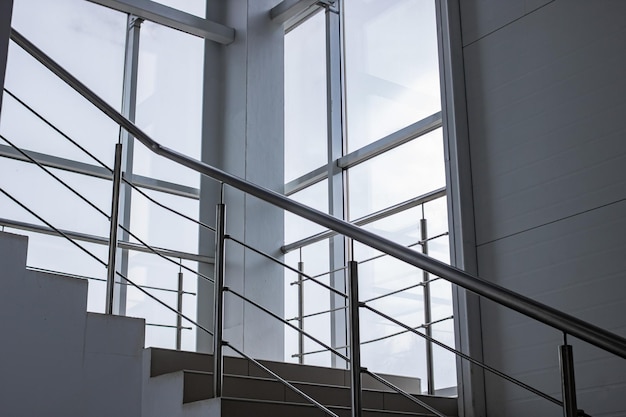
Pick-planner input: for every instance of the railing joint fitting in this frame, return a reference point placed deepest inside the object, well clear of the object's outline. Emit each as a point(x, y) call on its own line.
point(225, 289)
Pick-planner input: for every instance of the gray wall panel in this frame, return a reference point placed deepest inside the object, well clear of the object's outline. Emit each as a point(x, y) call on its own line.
point(545, 105)
point(481, 17)
point(546, 100)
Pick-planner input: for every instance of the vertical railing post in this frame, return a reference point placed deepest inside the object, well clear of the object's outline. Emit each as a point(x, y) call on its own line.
point(300, 313)
point(355, 338)
point(218, 360)
point(115, 206)
point(430, 372)
point(568, 382)
point(179, 308)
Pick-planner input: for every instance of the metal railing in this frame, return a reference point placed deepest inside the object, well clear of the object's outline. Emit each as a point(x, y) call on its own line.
point(569, 325)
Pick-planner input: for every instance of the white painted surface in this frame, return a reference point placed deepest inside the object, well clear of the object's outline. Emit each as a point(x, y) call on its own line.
point(56, 359)
point(546, 104)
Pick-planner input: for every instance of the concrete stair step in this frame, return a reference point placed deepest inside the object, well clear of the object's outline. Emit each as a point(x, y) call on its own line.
point(237, 407)
point(246, 382)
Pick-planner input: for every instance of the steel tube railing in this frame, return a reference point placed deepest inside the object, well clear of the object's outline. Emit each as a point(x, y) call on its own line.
point(531, 308)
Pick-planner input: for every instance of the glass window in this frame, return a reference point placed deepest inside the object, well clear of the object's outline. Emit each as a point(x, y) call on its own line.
point(407, 171)
point(305, 98)
point(392, 66)
point(315, 196)
point(169, 101)
point(196, 7)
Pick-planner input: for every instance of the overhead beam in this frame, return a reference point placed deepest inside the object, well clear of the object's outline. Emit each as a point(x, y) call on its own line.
point(100, 172)
point(288, 11)
point(173, 18)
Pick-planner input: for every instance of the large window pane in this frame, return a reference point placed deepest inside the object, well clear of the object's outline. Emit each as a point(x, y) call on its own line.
point(169, 100)
point(407, 171)
point(392, 75)
point(305, 98)
point(196, 7)
point(315, 196)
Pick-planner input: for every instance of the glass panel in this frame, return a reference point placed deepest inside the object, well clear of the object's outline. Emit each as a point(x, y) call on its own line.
point(444, 361)
point(149, 270)
point(86, 39)
point(162, 228)
point(93, 52)
point(195, 7)
point(407, 171)
point(305, 98)
point(392, 68)
point(169, 101)
point(52, 201)
point(315, 196)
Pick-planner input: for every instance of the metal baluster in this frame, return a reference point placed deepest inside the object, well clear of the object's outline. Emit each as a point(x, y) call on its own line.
point(300, 313)
point(179, 308)
point(430, 372)
point(115, 205)
point(568, 382)
point(218, 359)
point(355, 339)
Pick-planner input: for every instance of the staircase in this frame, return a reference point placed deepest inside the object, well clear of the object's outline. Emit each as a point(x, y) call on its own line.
point(60, 360)
point(180, 384)
point(55, 358)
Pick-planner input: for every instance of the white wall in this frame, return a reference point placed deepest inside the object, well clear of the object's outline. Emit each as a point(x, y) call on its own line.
point(57, 360)
point(546, 99)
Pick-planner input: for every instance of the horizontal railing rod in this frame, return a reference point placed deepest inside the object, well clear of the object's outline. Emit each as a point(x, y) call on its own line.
point(58, 231)
point(410, 287)
point(467, 357)
point(169, 326)
point(282, 320)
point(403, 393)
point(154, 252)
point(56, 177)
point(378, 339)
point(323, 274)
point(412, 245)
point(588, 332)
point(279, 262)
point(66, 274)
point(370, 218)
point(282, 380)
point(318, 313)
point(172, 309)
point(98, 240)
point(163, 206)
point(60, 132)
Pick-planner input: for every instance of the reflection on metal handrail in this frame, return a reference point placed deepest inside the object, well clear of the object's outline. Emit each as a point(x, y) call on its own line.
point(583, 330)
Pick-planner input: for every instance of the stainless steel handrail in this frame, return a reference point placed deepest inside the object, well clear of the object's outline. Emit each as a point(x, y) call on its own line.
point(588, 332)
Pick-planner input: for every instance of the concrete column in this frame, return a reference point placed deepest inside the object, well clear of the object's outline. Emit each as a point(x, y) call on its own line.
point(243, 134)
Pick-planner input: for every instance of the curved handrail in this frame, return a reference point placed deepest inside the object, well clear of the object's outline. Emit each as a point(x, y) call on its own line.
point(576, 327)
